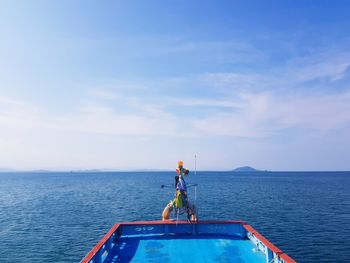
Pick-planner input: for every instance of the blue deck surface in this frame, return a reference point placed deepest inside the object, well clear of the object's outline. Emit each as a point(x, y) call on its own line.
point(184, 248)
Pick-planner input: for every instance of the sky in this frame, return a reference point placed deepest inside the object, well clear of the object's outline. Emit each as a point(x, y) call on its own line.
point(142, 84)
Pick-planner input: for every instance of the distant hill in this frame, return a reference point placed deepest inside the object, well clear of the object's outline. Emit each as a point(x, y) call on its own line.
point(246, 169)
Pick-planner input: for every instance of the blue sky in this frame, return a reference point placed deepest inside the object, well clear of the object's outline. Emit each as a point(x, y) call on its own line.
point(141, 84)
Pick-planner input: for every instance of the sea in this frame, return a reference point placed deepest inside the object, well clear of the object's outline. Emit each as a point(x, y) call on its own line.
point(60, 216)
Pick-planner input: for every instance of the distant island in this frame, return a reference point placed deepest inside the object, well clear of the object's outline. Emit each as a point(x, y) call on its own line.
point(246, 169)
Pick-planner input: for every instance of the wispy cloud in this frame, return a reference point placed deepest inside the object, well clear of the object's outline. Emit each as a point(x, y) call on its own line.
point(235, 82)
point(230, 104)
point(229, 51)
point(331, 64)
point(245, 104)
point(18, 114)
point(269, 114)
point(247, 114)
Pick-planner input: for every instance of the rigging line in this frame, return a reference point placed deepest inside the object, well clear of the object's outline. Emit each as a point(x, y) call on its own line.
point(195, 194)
point(195, 164)
point(195, 185)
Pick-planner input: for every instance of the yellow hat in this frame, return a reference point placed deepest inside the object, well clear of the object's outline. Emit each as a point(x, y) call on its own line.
point(180, 163)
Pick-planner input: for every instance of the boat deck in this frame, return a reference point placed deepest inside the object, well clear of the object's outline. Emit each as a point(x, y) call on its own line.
point(181, 241)
point(185, 248)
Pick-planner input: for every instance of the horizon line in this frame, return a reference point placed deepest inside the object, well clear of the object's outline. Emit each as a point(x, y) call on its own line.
point(147, 170)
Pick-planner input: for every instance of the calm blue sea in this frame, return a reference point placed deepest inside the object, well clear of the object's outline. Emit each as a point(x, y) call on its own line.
point(59, 217)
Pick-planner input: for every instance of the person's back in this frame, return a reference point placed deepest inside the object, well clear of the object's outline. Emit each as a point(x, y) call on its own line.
point(181, 184)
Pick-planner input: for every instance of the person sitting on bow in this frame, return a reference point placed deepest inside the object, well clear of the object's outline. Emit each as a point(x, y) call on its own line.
point(180, 202)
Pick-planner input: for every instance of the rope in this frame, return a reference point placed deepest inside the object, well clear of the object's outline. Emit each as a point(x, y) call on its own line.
point(195, 201)
point(195, 194)
point(177, 216)
point(273, 260)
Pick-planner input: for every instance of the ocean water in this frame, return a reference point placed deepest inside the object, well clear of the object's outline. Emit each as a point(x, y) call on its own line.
point(59, 217)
